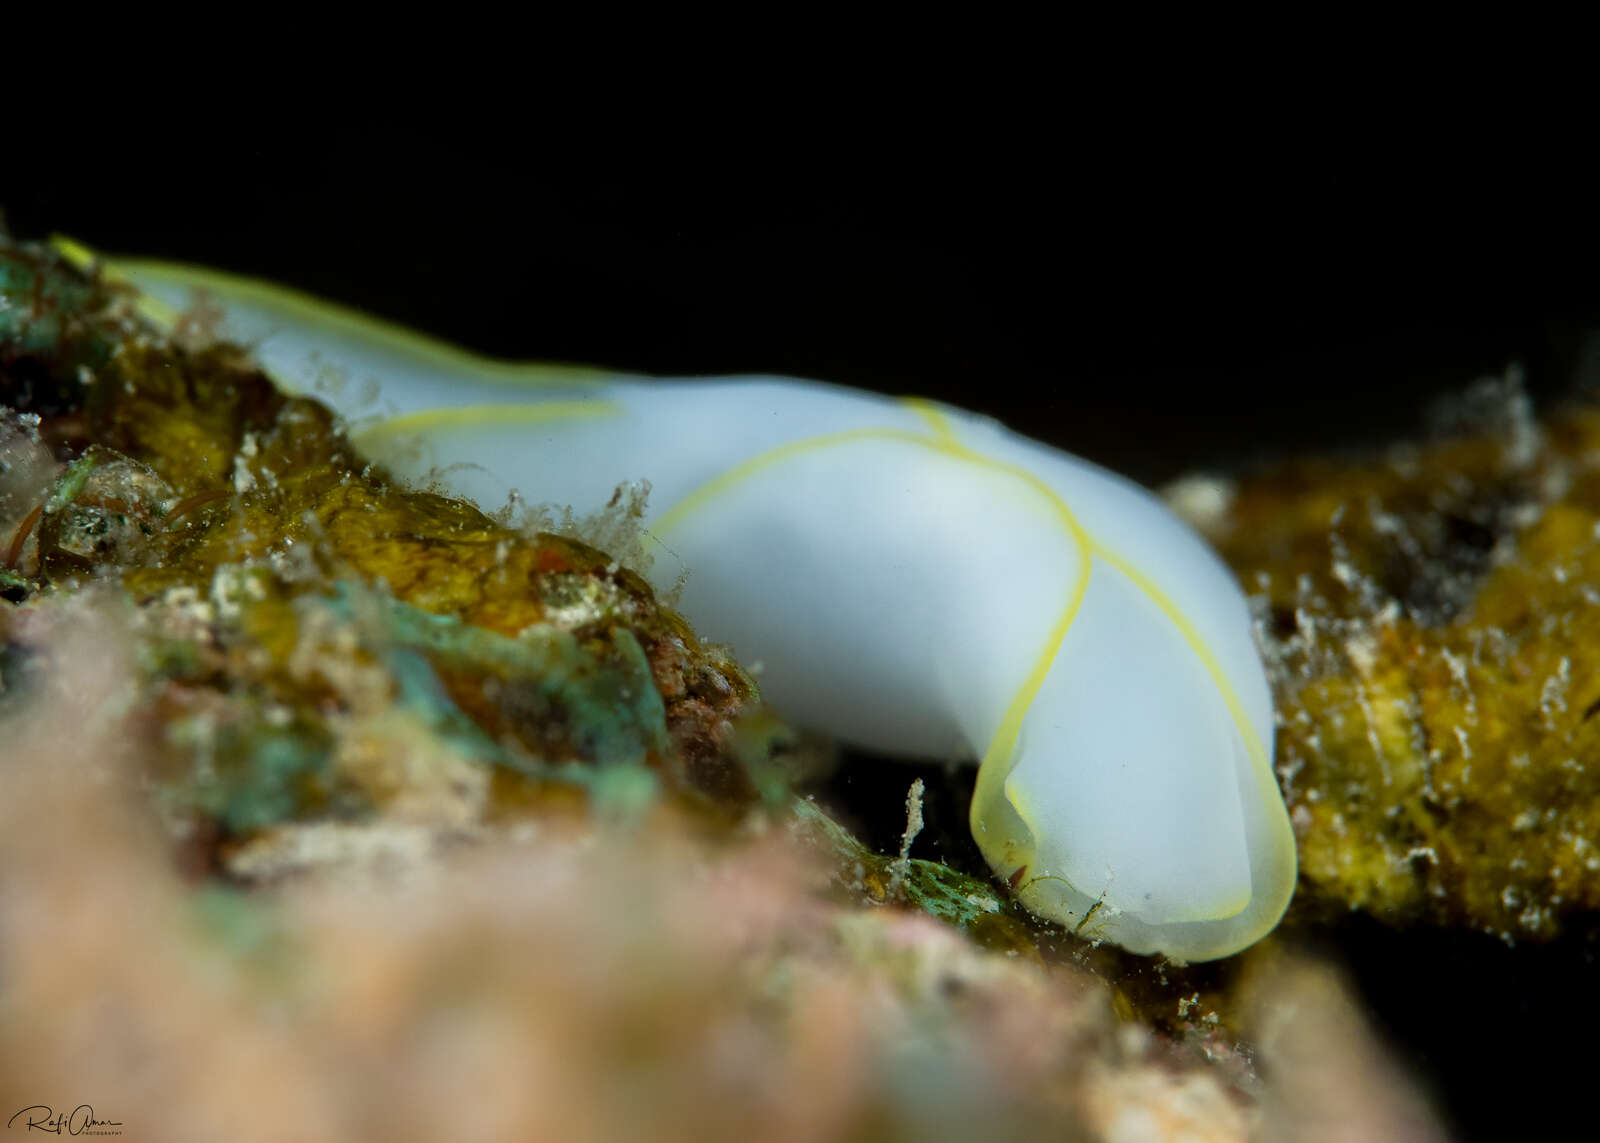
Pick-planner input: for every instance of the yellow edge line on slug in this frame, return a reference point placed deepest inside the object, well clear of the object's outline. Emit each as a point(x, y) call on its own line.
point(155, 311)
point(330, 316)
point(1252, 741)
point(935, 419)
point(1005, 739)
point(717, 485)
point(450, 418)
point(1282, 837)
point(945, 442)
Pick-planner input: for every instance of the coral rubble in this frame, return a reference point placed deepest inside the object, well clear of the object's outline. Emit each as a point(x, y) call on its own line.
point(300, 612)
point(1433, 622)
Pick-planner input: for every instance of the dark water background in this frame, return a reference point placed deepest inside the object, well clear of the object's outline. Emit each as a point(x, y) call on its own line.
point(1157, 304)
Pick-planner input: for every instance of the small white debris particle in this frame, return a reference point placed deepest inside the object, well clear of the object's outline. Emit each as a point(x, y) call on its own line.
point(1203, 501)
point(1553, 698)
point(902, 866)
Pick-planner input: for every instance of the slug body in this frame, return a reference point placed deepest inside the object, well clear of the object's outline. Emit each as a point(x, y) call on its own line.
point(913, 578)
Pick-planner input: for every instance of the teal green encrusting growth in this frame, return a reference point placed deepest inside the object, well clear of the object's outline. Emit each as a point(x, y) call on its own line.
point(256, 771)
point(852, 545)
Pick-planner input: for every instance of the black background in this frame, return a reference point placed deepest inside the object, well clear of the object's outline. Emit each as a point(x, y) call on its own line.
point(1157, 302)
point(1154, 303)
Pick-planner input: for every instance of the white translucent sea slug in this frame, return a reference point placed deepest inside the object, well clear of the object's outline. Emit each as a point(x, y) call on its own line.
point(914, 578)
